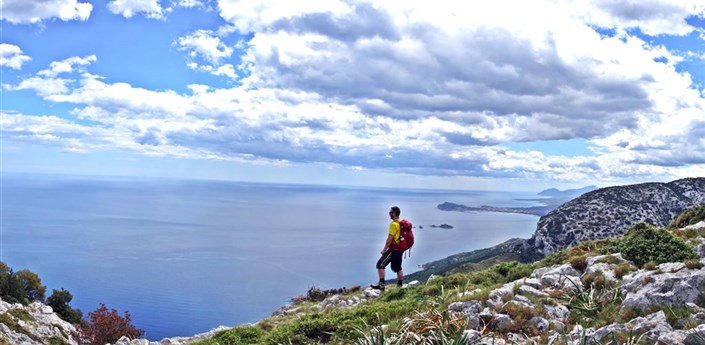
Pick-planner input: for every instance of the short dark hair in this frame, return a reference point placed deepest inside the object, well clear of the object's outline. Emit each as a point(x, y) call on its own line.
point(396, 210)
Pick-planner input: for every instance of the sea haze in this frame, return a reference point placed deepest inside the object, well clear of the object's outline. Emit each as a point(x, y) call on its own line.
point(187, 256)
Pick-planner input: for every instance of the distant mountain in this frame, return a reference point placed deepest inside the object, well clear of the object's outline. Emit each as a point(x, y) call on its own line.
point(608, 212)
point(554, 199)
point(566, 194)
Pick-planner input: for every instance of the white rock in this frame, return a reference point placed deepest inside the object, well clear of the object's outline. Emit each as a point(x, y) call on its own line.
point(533, 282)
point(594, 259)
point(643, 289)
point(696, 226)
point(372, 293)
point(653, 325)
point(539, 323)
point(530, 291)
point(606, 269)
point(558, 312)
point(471, 335)
point(499, 296)
point(413, 283)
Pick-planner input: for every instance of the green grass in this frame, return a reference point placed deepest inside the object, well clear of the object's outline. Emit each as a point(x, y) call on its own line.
point(21, 314)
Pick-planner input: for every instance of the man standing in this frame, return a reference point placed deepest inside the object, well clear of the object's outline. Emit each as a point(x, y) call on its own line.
point(389, 252)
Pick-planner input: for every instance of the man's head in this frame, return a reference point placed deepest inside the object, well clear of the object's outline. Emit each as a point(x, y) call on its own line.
point(394, 212)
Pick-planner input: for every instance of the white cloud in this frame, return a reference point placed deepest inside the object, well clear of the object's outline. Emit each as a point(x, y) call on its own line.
point(430, 88)
point(67, 65)
point(205, 44)
point(35, 11)
point(191, 3)
point(128, 8)
point(653, 17)
point(11, 56)
point(226, 70)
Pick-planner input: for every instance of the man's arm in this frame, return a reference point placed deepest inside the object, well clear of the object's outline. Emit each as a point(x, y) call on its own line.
point(388, 243)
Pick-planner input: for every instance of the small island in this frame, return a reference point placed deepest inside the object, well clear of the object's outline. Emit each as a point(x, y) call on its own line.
point(442, 226)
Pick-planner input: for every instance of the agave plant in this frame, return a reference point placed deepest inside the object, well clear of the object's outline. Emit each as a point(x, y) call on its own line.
point(589, 301)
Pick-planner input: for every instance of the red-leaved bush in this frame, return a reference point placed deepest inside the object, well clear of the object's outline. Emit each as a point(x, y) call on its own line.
point(107, 326)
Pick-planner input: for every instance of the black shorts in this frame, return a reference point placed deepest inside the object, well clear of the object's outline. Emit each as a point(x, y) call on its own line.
point(392, 256)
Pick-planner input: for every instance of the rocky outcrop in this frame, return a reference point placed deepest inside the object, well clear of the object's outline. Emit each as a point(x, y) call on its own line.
point(608, 212)
point(551, 292)
point(34, 324)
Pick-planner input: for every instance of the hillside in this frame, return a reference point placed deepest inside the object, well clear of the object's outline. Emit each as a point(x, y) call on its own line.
point(607, 212)
point(643, 288)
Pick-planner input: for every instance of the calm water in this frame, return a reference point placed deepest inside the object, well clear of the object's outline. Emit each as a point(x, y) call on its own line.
point(187, 256)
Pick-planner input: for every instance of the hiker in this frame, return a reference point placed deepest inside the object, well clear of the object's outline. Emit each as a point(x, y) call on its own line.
point(390, 254)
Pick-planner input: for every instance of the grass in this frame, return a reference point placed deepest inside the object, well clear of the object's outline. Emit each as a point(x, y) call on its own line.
point(21, 314)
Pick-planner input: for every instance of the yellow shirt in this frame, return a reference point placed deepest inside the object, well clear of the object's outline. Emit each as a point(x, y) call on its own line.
point(395, 230)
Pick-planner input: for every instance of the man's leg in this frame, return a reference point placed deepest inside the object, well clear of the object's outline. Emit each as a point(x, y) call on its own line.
point(396, 267)
point(381, 264)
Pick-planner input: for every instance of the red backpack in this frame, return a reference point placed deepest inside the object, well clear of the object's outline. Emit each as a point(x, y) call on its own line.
point(406, 235)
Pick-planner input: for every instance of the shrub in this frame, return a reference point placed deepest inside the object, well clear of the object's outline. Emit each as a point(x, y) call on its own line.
point(688, 217)
point(513, 270)
point(643, 243)
point(59, 301)
point(12, 289)
point(622, 269)
point(579, 262)
point(649, 266)
point(237, 335)
point(693, 264)
point(107, 326)
point(595, 280)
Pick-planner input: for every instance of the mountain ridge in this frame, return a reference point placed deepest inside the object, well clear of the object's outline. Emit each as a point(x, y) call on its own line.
point(608, 212)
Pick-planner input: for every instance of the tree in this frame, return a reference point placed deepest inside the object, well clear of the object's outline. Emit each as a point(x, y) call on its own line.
point(107, 326)
point(33, 288)
point(11, 288)
point(59, 301)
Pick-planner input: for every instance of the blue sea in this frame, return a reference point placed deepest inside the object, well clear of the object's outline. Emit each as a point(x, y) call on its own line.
point(185, 256)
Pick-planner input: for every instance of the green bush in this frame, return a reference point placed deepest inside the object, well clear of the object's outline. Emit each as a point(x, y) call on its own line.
point(238, 335)
point(688, 217)
point(12, 289)
point(579, 262)
point(33, 288)
point(59, 301)
point(643, 243)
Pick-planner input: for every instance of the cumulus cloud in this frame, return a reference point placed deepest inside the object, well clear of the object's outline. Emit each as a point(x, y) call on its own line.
point(207, 51)
point(435, 88)
point(35, 11)
point(11, 56)
point(129, 8)
point(205, 44)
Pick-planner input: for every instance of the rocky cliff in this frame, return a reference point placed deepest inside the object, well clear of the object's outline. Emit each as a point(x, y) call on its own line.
point(34, 324)
point(608, 212)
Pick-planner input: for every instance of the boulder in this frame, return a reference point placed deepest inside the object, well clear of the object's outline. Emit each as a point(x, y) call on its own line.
point(643, 289)
point(652, 326)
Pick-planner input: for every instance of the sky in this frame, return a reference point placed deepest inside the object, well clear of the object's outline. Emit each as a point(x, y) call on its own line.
point(428, 94)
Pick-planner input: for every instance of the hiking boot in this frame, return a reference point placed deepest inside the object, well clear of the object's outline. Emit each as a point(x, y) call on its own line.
point(378, 286)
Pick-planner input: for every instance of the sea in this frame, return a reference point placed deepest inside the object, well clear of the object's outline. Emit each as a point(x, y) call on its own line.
point(186, 256)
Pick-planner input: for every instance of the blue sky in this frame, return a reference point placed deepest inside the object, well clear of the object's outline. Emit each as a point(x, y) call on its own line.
point(443, 94)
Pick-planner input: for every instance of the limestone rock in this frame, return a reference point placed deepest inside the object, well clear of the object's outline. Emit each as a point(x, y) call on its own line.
point(643, 289)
